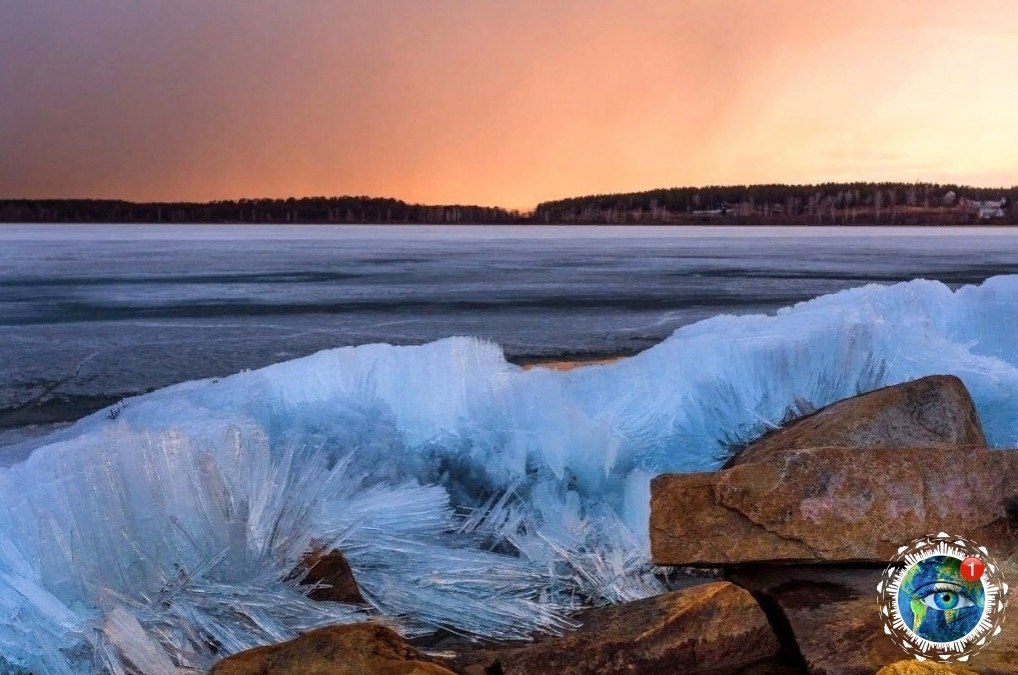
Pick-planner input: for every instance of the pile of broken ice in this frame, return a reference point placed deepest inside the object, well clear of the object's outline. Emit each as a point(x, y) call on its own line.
point(156, 535)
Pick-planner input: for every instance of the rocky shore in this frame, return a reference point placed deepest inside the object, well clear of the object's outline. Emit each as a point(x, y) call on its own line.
point(780, 554)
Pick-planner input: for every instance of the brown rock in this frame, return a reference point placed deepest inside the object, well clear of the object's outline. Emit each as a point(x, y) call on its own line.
point(932, 412)
point(331, 572)
point(713, 627)
point(357, 649)
point(830, 616)
point(830, 612)
point(833, 505)
point(914, 667)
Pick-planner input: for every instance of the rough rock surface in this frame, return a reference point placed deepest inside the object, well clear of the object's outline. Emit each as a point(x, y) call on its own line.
point(713, 627)
point(357, 649)
point(833, 505)
point(331, 572)
point(935, 411)
point(830, 615)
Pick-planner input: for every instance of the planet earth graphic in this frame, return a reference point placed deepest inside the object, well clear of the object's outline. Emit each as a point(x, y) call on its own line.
point(937, 603)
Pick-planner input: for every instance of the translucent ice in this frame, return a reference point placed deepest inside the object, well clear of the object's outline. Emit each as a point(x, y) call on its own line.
point(159, 534)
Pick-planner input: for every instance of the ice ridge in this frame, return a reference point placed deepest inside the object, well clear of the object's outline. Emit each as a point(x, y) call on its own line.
point(469, 494)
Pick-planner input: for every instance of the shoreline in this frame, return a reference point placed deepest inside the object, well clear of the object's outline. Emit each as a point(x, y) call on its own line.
point(567, 363)
point(702, 224)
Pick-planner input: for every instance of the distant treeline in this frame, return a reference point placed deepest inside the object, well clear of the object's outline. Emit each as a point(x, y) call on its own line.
point(825, 204)
point(303, 210)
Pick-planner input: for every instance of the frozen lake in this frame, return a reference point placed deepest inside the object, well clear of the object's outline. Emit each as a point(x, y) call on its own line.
point(91, 313)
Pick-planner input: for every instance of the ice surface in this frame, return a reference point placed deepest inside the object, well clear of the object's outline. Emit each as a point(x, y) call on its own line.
point(157, 535)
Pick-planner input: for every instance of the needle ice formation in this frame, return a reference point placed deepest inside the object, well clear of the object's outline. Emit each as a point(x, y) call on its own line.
point(467, 493)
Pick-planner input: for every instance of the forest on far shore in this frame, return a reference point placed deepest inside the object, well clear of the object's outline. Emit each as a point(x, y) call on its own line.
point(823, 204)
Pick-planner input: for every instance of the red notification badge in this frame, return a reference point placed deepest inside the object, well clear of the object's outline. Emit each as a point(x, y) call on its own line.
point(971, 568)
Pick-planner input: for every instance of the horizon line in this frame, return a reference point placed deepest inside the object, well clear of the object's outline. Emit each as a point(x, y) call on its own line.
point(521, 211)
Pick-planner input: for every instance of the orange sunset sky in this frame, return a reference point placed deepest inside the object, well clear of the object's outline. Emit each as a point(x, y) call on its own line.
point(499, 102)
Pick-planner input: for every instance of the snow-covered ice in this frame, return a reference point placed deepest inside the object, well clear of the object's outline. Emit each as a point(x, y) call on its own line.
point(156, 536)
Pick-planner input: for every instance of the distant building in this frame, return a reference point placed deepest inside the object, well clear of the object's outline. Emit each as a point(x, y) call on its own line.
point(725, 209)
point(987, 209)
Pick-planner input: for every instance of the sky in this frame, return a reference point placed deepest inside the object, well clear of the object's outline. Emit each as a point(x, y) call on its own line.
point(499, 102)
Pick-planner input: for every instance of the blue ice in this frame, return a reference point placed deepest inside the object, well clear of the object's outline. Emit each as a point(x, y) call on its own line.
point(470, 494)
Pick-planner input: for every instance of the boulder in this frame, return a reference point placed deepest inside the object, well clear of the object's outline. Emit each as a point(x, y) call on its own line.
point(331, 574)
point(834, 505)
point(356, 649)
point(934, 412)
point(713, 627)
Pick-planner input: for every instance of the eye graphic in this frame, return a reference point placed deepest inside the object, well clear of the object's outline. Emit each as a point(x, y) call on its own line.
point(933, 605)
point(936, 602)
point(946, 597)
